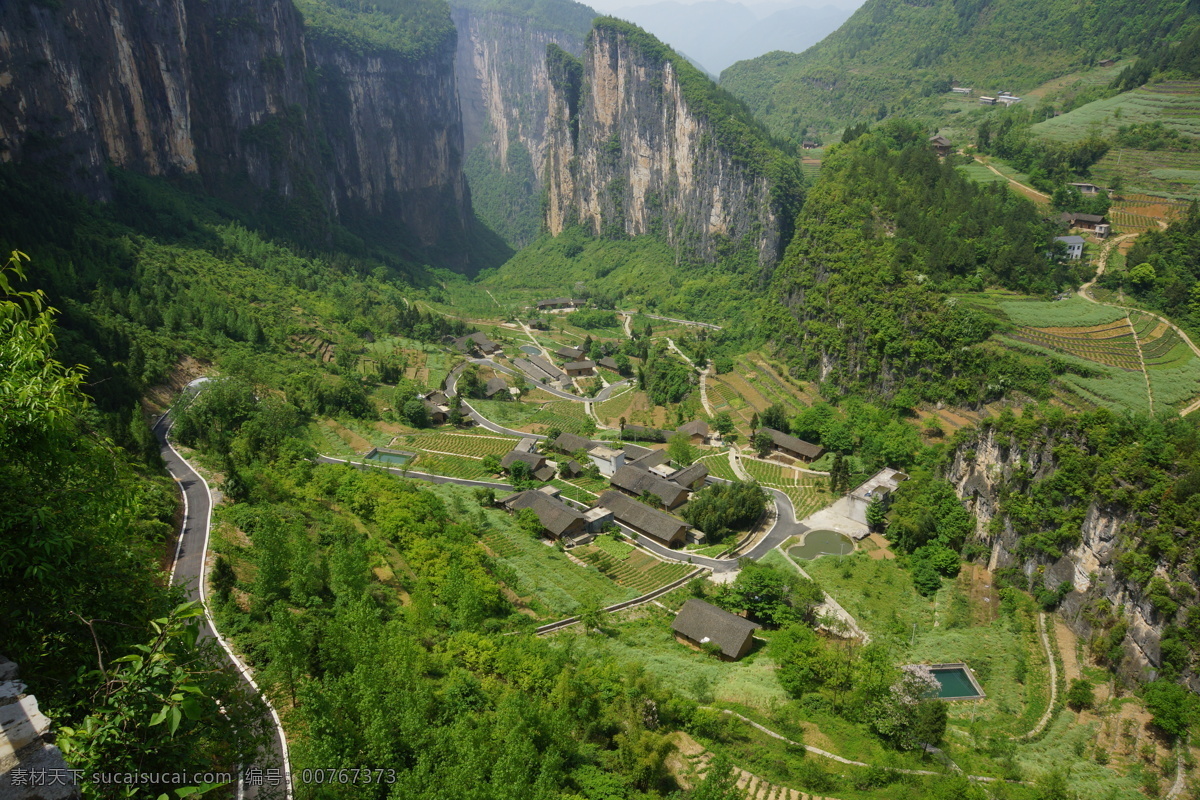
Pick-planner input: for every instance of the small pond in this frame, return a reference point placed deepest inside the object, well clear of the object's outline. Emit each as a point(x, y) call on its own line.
point(390, 456)
point(530, 349)
point(955, 683)
point(822, 543)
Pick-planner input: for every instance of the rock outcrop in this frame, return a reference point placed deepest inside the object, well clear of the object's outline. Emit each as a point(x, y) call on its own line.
point(979, 471)
point(242, 94)
point(31, 767)
point(640, 142)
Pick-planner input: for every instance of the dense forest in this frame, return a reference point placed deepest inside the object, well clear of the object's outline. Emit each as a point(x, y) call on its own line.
point(886, 231)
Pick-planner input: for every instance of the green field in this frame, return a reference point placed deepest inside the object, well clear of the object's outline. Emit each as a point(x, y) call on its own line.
point(980, 174)
point(550, 583)
point(470, 445)
point(1073, 311)
point(1174, 103)
point(718, 466)
point(635, 569)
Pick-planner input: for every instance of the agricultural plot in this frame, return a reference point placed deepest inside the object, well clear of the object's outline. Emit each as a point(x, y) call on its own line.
point(980, 174)
point(718, 466)
point(808, 493)
point(1162, 172)
point(566, 415)
point(1174, 103)
point(637, 570)
point(545, 579)
point(769, 385)
point(1071, 312)
point(1113, 344)
point(450, 466)
point(461, 444)
point(615, 407)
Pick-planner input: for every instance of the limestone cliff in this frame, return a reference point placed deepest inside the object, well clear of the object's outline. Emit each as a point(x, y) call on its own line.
point(503, 84)
point(642, 143)
point(990, 465)
point(263, 109)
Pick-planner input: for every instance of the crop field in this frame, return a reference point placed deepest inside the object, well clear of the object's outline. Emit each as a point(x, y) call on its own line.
point(1164, 172)
point(1071, 312)
point(451, 466)
point(718, 466)
point(1112, 345)
point(461, 444)
point(566, 415)
point(768, 384)
point(637, 570)
point(808, 493)
point(546, 579)
point(980, 174)
point(615, 407)
point(1174, 103)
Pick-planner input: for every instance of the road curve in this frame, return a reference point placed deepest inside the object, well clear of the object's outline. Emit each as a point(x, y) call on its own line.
point(188, 571)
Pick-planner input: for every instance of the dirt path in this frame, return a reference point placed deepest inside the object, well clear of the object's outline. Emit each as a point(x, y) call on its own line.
point(708, 409)
point(1028, 191)
point(1180, 775)
point(1137, 344)
point(1066, 649)
point(1045, 720)
point(1084, 292)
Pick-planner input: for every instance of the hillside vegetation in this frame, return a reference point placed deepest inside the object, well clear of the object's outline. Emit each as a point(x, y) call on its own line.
point(895, 57)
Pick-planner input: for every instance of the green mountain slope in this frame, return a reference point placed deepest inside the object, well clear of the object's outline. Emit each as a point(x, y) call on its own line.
point(895, 57)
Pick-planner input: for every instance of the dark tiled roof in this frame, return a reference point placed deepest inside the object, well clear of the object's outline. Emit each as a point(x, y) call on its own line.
point(534, 370)
point(557, 301)
point(555, 515)
point(651, 459)
point(494, 386)
point(700, 621)
point(792, 444)
point(694, 428)
point(574, 365)
point(1069, 218)
point(608, 362)
point(689, 475)
point(568, 352)
point(574, 468)
point(939, 140)
point(546, 473)
point(637, 515)
point(633, 451)
point(569, 443)
point(471, 341)
point(546, 366)
point(534, 460)
point(639, 481)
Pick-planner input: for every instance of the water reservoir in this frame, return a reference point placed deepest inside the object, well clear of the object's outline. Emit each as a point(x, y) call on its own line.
point(822, 543)
point(956, 682)
point(397, 457)
point(530, 350)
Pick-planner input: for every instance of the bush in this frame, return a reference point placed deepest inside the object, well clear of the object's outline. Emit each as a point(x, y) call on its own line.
point(1081, 695)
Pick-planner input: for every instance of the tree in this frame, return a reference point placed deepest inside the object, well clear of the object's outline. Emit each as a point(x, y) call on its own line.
point(518, 471)
point(800, 656)
point(623, 365)
point(1081, 694)
point(491, 464)
point(925, 577)
point(591, 615)
point(763, 443)
point(527, 520)
point(1174, 707)
point(723, 423)
point(415, 413)
point(930, 724)
point(771, 595)
point(1143, 276)
point(876, 514)
point(680, 449)
point(720, 782)
point(775, 417)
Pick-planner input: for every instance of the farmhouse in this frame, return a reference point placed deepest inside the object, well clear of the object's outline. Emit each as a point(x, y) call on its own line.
point(550, 369)
point(569, 353)
point(878, 487)
point(637, 482)
point(496, 386)
point(1086, 222)
point(1007, 99)
point(476, 342)
point(538, 467)
point(607, 460)
point(692, 477)
point(696, 431)
point(987, 101)
point(1106, 62)
point(699, 623)
point(438, 413)
point(609, 363)
point(1074, 245)
point(638, 433)
point(572, 469)
point(941, 145)
point(577, 369)
point(646, 459)
point(644, 519)
point(961, 90)
point(809, 145)
point(570, 443)
point(557, 518)
point(791, 446)
point(1087, 189)
point(558, 302)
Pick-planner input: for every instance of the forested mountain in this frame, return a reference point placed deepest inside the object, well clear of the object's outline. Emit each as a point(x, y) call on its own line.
point(884, 232)
point(895, 57)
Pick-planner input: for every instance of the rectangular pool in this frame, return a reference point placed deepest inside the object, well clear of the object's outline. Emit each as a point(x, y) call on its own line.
point(956, 682)
point(390, 456)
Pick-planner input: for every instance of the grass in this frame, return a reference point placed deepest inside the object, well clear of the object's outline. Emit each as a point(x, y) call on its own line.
point(505, 412)
point(1071, 312)
point(1176, 104)
point(634, 569)
point(980, 174)
point(550, 583)
point(451, 466)
point(468, 445)
point(878, 594)
point(718, 466)
point(613, 546)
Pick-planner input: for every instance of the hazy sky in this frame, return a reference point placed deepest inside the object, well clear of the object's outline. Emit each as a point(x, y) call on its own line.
point(608, 6)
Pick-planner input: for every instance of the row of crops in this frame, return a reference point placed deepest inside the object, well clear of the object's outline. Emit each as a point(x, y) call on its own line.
point(1112, 350)
point(462, 444)
point(638, 570)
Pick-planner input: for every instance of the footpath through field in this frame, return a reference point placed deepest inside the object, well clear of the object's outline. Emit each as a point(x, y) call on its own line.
point(1086, 294)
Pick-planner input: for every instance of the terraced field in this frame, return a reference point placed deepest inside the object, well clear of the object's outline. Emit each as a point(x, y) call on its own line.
point(638, 570)
point(1174, 103)
point(451, 466)
point(616, 407)
point(566, 415)
point(808, 493)
point(469, 445)
point(1111, 344)
point(718, 466)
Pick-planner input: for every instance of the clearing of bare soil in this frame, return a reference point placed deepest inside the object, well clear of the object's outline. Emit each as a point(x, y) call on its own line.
point(186, 370)
point(980, 587)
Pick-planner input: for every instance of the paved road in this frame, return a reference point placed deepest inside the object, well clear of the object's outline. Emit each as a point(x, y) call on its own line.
point(602, 395)
point(187, 572)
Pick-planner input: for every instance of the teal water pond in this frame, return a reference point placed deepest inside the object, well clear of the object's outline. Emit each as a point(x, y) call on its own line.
point(822, 543)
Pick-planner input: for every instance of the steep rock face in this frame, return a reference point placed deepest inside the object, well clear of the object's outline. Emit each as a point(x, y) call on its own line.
point(503, 84)
point(239, 92)
point(629, 154)
point(979, 470)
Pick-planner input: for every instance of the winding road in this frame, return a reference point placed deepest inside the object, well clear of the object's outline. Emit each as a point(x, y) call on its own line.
point(188, 571)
